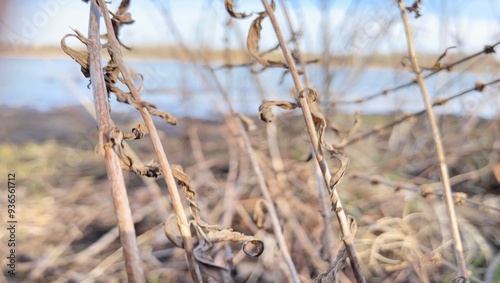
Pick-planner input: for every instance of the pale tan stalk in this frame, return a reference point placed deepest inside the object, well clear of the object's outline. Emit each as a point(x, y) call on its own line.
point(443, 167)
point(325, 211)
point(160, 152)
point(318, 152)
point(232, 119)
point(278, 233)
point(118, 190)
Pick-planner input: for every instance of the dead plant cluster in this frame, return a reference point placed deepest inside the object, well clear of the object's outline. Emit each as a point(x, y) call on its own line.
point(251, 201)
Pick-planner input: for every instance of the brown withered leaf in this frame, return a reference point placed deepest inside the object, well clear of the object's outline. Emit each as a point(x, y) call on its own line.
point(137, 133)
point(266, 113)
point(210, 272)
point(437, 65)
point(253, 39)
point(415, 8)
point(320, 125)
point(121, 17)
point(237, 237)
point(162, 114)
point(115, 140)
point(112, 76)
point(124, 5)
point(230, 9)
point(185, 182)
point(81, 57)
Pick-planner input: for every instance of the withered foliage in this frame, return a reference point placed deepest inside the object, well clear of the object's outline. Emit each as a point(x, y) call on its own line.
point(265, 111)
point(230, 9)
point(437, 65)
point(253, 37)
point(415, 8)
point(206, 234)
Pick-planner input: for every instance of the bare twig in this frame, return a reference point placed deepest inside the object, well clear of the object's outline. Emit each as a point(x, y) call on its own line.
point(318, 152)
point(439, 147)
point(477, 87)
point(119, 191)
point(486, 50)
point(325, 211)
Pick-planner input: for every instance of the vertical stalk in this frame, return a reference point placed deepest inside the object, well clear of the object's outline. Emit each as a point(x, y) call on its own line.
point(325, 211)
point(318, 152)
point(118, 189)
point(160, 152)
point(448, 198)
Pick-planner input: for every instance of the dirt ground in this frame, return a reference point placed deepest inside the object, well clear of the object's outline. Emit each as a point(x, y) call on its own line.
point(66, 223)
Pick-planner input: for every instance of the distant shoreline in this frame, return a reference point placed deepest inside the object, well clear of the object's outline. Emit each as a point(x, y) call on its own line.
point(236, 57)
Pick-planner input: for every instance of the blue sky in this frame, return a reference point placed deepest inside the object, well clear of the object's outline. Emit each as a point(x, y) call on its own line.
point(467, 24)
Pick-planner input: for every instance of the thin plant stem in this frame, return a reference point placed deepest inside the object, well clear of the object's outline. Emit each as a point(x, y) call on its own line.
point(232, 119)
point(448, 198)
point(325, 211)
point(318, 152)
point(160, 152)
point(119, 191)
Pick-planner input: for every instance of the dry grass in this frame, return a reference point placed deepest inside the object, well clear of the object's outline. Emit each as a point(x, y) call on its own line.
point(239, 185)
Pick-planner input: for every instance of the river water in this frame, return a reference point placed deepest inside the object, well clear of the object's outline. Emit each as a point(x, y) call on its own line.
point(47, 83)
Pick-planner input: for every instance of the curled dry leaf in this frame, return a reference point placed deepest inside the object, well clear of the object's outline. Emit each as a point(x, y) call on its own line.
point(137, 133)
point(415, 8)
point(81, 57)
point(253, 39)
point(210, 271)
point(320, 124)
point(190, 194)
point(437, 65)
point(230, 9)
point(265, 111)
point(237, 237)
point(115, 140)
point(121, 17)
point(112, 76)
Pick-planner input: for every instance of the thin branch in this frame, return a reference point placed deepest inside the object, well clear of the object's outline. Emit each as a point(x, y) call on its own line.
point(119, 191)
point(486, 50)
point(318, 152)
point(448, 197)
point(438, 102)
point(325, 211)
point(423, 190)
point(232, 121)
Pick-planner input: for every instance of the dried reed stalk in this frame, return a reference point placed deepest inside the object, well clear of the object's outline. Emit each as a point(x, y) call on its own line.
point(235, 123)
point(119, 191)
point(325, 211)
point(278, 233)
point(318, 152)
point(160, 153)
point(448, 197)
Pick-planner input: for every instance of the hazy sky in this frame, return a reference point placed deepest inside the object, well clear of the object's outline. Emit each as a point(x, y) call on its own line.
point(467, 24)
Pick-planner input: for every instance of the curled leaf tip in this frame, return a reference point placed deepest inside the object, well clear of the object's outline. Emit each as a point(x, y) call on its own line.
point(256, 251)
point(230, 9)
